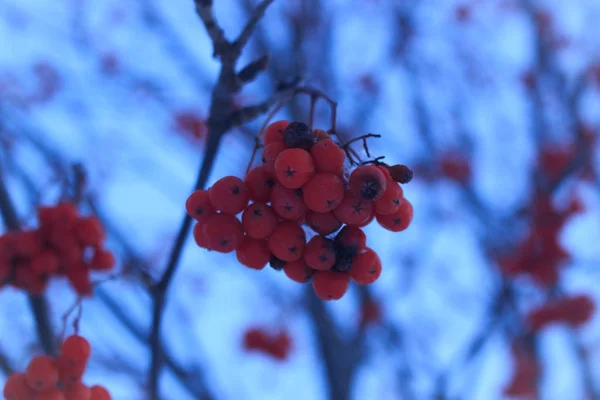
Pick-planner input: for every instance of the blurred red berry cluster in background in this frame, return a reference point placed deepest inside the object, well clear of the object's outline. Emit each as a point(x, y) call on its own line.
point(65, 244)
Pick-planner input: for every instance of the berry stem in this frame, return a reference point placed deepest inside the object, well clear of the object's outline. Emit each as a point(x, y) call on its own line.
point(37, 304)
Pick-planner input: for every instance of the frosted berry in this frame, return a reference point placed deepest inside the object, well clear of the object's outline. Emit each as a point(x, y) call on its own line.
point(328, 157)
point(323, 192)
point(298, 271)
point(260, 182)
point(287, 241)
point(352, 239)
point(274, 132)
point(366, 267)
point(389, 203)
point(319, 253)
point(259, 220)
point(294, 167)
point(322, 223)
point(270, 153)
point(298, 135)
point(368, 182)
point(229, 195)
point(330, 285)
point(198, 206)
point(224, 232)
point(353, 210)
point(253, 253)
point(398, 221)
point(288, 203)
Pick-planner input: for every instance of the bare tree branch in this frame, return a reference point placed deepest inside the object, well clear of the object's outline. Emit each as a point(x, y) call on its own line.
point(255, 17)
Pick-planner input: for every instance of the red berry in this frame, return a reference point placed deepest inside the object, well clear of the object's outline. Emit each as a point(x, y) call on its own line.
point(103, 260)
point(368, 182)
point(287, 241)
point(99, 393)
point(288, 203)
point(260, 182)
point(270, 153)
point(330, 285)
point(298, 271)
point(202, 240)
point(577, 310)
point(90, 232)
point(79, 277)
point(398, 221)
point(319, 253)
point(52, 394)
point(274, 132)
point(385, 171)
point(76, 349)
point(253, 253)
point(198, 205)
point(229, 195)
point(353, 210)
point(224, 232)
point(328, 157)
point(352, 239)
point(322, 223)
point(16, 388)
point(367, 222)
point(28, 243)
point(77, 391)
point(259, 220)
point(389, 203)
point(294, 167)
point(323, 192)
point(41, 374)
point(45, 263)
point(366, 267)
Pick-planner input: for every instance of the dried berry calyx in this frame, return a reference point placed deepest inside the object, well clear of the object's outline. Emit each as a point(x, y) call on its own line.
point(298, 135)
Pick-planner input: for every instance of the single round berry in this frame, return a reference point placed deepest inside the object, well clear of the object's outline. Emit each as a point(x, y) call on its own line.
point(200, 236)
point(368, 221)
point(76, 350)
point(259, 220)
point(102, 260)
point(328, 157)
point(366, 267)
point(389, 203)
point(330, 285)
point(288, 203)
point(352, 239)
point(368, 182)
point(253, 253)
point(323, 192)
point(274, 132)
point(16, 388)
point(287, 241)
point(298, 271)
point(99, 393)
point(224, 232)
point(398, 221)
point(353, 210)
point(198, 205)
point(229, 195)
point(319, 253)
point(298, 135)
point(322, 223)
point(400, 173)
point(89, 231)
point(270, 153)
point(260, 181)
point(294, 167)
point(76, 391)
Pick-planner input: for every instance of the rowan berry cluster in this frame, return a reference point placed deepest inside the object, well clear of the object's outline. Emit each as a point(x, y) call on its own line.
point(276, 345)
point(305, 179)
point(47, 378)
point(65, 243)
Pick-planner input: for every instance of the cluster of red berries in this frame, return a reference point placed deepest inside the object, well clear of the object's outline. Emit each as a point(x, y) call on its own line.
point(65, 243)
point(303, 179)
point(56, 379)
point(574, 311)
point(276, 345)
point(541, 255)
